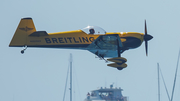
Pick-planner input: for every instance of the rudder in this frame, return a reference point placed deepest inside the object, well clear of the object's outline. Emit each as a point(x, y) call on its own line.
point(25, 28)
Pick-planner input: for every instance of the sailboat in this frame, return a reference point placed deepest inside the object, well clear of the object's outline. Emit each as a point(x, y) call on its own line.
point(159, 72)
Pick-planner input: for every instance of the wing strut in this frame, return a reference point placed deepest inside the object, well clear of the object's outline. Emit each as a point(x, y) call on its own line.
point(119, 62)
point(118, 47)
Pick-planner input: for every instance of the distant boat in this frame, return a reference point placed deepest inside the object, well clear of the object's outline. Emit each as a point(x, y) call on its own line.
point(102, 94)
point(106, 94)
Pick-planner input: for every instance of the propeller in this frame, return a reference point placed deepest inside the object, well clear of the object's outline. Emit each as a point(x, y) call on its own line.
point(147, 37)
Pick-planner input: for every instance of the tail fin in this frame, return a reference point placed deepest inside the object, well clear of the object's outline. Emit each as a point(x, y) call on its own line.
point(25, 28)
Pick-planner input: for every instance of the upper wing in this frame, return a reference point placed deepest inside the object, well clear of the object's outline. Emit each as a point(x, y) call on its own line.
point(106, 45)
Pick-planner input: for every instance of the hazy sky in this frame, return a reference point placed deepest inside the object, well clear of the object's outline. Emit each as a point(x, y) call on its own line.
point(40, 73)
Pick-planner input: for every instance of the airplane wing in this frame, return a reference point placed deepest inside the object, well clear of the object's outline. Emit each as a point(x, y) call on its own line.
point(106, 45)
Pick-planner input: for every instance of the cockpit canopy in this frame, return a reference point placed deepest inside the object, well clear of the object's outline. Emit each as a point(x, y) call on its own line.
point(93, 30)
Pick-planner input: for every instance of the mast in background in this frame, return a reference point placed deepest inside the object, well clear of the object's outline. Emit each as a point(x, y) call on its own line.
point(70, 77)
point(70, 65)
point(158, 82)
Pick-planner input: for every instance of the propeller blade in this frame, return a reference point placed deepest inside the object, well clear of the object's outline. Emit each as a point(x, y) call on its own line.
point(147, 37)
point(145, 28)
point(146, 47)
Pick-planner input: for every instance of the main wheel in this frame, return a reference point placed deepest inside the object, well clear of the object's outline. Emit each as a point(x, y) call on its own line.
point(119, 68)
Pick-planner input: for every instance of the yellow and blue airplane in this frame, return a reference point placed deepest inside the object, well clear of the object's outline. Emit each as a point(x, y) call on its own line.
point(94, 39)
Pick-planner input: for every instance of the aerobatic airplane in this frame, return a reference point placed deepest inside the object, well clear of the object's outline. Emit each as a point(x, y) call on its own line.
point(94, 39)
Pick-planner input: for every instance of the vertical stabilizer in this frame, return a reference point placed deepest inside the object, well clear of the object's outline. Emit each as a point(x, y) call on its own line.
point(25, 28)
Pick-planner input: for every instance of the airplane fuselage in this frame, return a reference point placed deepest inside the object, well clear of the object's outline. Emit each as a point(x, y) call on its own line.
point(79, 40)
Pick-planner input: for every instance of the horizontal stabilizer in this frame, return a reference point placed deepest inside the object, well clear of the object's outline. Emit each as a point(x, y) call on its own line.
point(117, 65)
point(39, 33)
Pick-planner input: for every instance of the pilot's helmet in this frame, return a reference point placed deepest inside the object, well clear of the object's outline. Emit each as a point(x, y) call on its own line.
point(91, 31)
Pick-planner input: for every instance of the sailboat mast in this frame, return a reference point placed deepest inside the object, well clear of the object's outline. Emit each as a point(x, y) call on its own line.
point(70, 77)
point(158, 82)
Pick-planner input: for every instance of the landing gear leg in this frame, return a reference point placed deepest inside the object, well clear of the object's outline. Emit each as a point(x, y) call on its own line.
point(22, 51)
point(118, 48)
point(119, 54)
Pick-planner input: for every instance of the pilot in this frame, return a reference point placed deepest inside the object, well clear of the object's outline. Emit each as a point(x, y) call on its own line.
point(91, 31)
point(88, 96)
